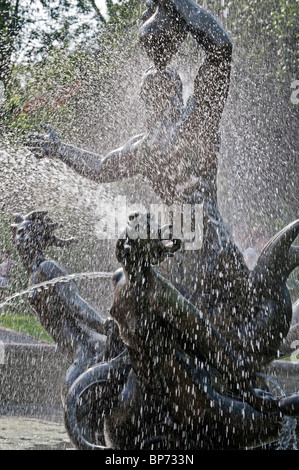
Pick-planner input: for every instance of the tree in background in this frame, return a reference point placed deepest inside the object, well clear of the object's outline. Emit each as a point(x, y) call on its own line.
point(29, 29)
point(264, 132)
point(10, 25)
point(273, 24)
point(36, 33)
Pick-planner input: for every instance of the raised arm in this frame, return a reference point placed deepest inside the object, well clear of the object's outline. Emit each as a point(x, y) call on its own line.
point(211, 85)
point(118, 164)
point(205, 28)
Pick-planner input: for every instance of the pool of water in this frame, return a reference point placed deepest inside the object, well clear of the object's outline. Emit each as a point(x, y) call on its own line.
point(31, 434)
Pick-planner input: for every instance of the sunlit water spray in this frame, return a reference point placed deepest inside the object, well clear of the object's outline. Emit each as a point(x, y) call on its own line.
point(245, 163)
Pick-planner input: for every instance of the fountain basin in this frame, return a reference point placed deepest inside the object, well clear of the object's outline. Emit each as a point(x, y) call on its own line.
point(43, 435)
point(31, 373)
point(286, 373)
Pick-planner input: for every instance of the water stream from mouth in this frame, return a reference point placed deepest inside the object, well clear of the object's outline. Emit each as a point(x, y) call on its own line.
point(53, 282)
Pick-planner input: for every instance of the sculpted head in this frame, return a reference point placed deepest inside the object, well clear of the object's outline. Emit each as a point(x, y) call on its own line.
point(33, 233)
point(144, 243)
point(162, 94)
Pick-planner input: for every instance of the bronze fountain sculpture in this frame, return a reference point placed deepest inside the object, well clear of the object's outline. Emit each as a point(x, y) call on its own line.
point(178, 365)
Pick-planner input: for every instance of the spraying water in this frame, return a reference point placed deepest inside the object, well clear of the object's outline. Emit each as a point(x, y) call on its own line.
point(287, 436)
point(52, 282)
point(245, 164)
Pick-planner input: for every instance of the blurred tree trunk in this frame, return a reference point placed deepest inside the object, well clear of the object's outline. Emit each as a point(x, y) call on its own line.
point(9, 29)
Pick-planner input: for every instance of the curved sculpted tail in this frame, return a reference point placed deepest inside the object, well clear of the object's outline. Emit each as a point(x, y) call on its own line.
point(93, 376)
point(278, 258)
point(99, 375)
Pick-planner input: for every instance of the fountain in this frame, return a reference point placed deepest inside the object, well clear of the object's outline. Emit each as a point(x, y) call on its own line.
point(181, 362)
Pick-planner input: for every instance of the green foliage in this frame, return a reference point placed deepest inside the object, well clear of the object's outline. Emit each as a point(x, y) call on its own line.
point(27, 324)
point(36, 28)
point(272, 25)
point(285, 26)
point(10, 25)
point(123, 11)
point(47, 25)
point(39, 92)
point(44, 85)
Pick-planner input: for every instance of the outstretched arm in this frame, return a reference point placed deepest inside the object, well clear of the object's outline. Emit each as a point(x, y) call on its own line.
point(119, 164)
